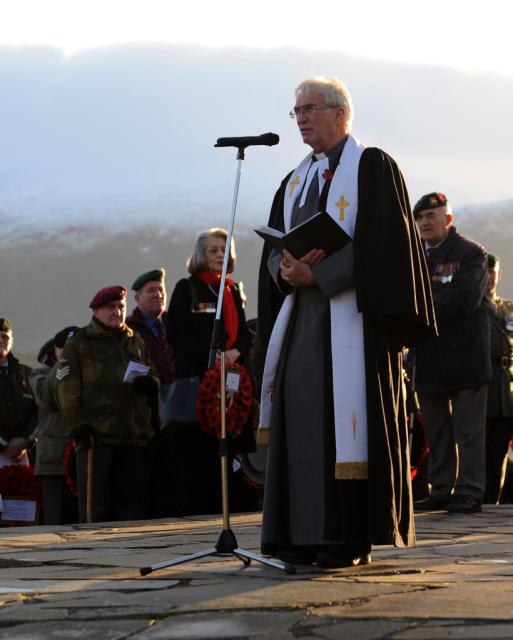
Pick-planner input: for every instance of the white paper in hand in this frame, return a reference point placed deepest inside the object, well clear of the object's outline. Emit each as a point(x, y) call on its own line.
point(135, 369)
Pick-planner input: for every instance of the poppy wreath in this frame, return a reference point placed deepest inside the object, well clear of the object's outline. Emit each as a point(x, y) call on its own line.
point(69, 470)
point(19, 480)
point(208, 403)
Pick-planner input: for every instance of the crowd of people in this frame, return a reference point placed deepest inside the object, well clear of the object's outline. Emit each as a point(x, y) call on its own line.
point(109, 389)
point(334, 329)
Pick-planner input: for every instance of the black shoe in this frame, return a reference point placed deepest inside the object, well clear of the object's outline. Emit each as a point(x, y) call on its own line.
point(431, 503)
point(333, 560)
point(297, 556)
point(464, 504)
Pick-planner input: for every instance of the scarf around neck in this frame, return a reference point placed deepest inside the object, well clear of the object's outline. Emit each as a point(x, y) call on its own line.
point(229, 310)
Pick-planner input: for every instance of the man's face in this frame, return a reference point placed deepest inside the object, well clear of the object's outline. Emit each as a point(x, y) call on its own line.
point(6, 342)
point(112, 314)
point(494, 276)
point(433, 224)
point(323, 128)
point(151, 298)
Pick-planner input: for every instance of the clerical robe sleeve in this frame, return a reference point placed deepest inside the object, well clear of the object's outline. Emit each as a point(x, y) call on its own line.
point(336, 272)
point(391, 278)
point(273, 264)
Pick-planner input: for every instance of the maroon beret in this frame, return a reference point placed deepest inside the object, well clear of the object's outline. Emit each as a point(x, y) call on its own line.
point(108, 294)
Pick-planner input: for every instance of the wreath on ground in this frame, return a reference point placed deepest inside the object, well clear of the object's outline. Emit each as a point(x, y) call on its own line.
point(19, 480)
point(238, 403)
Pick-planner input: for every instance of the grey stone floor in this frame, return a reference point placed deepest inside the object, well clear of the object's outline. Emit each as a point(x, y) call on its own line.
point(83, 581)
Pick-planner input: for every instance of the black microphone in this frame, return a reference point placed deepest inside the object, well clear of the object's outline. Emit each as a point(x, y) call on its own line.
point(268, 139)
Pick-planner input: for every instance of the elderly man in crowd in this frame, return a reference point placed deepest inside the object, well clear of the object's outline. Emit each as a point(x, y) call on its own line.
point(147, 320)
point(104, 389)
point(499, 410)
point(338, 464)
point(453, 369)
point(18, 410)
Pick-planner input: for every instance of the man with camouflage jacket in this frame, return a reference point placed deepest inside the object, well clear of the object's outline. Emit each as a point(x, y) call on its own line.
point(108, 414)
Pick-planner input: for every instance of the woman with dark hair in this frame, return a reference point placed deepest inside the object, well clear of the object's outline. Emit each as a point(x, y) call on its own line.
point(190, 320)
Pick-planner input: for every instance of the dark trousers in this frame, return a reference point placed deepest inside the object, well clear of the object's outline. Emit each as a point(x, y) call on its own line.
point(498, 434)
point(59, 504)
point(454, 425)
point(119, 480)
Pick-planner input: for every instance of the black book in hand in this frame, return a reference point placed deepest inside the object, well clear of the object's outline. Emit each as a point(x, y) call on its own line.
point(320, 231)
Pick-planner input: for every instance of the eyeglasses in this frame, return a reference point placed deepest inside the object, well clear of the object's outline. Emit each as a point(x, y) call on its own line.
point(307, 110)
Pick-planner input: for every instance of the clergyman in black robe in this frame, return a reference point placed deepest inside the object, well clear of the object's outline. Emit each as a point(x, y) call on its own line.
point(311, 513)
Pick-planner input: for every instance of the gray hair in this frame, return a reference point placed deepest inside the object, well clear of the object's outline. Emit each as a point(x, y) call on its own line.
point(196, 262)
point(335, 93)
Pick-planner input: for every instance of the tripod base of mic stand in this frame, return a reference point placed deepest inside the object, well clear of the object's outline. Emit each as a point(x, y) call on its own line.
point(226, 544)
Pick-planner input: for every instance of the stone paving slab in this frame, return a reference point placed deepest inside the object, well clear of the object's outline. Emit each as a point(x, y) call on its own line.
point(82, 581)
point(116, 630)
point(222, 625)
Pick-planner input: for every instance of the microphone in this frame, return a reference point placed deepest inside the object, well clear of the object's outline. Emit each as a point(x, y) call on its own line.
point(268, 139)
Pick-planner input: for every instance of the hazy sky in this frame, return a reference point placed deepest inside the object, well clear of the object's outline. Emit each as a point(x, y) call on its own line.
point(467, 34)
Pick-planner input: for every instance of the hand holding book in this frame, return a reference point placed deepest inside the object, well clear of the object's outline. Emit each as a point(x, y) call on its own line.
point(298, 272)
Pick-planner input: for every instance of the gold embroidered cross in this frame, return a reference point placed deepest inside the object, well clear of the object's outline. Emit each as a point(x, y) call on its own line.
point(354, 422)
point(293, 185)
point(341, 204)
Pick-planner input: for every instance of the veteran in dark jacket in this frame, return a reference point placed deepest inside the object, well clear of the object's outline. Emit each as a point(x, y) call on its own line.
point(18, 410)
point(59, 505)
point(499, 410)
point(148, 320)
point(107, 410)
point(453, 369)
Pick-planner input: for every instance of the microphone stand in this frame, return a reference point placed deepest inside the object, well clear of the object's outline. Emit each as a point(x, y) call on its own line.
point(226, 542)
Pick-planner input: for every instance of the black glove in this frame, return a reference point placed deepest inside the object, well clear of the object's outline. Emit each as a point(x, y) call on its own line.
point(82, 435)
point(145, 385)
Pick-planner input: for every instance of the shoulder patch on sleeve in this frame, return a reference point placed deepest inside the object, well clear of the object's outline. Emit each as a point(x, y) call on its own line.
point(63, 369)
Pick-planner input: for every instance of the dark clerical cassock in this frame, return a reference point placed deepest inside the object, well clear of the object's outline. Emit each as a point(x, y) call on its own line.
point(318, 490)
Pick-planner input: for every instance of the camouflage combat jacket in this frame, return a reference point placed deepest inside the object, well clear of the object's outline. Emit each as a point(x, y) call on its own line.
point(90, 388)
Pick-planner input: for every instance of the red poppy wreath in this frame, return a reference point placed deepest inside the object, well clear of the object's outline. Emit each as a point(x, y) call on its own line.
point(19, 480)
point(208, 403)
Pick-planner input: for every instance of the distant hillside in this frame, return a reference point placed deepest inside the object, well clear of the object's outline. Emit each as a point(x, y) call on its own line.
point(47, 282)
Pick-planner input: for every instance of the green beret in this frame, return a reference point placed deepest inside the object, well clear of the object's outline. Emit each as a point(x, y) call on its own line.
point(48, 345)
point(5, 324)
point(493, 261)
point(154, 274)
point(431, 201)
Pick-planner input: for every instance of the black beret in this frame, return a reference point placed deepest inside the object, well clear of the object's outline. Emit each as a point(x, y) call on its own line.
point(493, 261)
point(5, 324)
point(62, 335)
point(108, 294)
point(154, 274)
point(48, 346)
point(431, 201)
